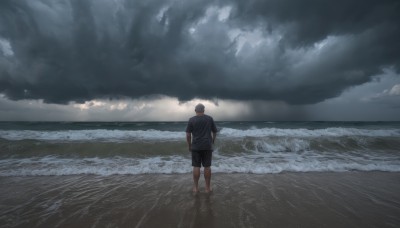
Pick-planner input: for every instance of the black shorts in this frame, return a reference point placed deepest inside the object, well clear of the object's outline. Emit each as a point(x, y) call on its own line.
point(201, 157)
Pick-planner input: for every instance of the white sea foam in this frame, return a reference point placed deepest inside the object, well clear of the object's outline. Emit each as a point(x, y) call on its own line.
point(122, 135)
point(284, 144)
point(257, 162)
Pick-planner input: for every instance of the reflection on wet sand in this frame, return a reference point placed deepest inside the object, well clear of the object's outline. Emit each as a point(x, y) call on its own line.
point(350, 199)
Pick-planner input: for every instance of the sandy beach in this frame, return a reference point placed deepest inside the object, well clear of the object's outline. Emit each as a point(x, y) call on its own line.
point(349, 199)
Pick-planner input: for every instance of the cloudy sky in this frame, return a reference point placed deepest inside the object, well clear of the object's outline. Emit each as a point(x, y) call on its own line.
point(143, 60)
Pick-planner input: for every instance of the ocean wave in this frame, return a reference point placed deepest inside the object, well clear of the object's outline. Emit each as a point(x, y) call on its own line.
point(91, 135)
point(126, 135)
point(258, 163)
point(300, 132)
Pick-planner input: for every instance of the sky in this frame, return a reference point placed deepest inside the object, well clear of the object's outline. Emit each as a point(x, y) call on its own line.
point(154, 60)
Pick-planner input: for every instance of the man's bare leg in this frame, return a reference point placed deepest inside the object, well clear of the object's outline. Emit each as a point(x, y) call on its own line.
point(207, 177)
point(196, 177)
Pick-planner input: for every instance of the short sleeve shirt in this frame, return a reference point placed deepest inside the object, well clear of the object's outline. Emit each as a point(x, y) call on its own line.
point(201, 127)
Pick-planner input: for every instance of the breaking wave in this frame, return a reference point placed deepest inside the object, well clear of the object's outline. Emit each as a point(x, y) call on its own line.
point(126, 135)
point(251, 163)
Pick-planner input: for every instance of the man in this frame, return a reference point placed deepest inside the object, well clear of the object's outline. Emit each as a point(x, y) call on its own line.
point(200, 141)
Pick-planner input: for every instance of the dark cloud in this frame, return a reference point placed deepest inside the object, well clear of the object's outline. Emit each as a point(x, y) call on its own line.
point(300, 52)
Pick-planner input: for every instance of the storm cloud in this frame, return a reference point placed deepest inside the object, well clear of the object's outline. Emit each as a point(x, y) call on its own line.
point(297, 52)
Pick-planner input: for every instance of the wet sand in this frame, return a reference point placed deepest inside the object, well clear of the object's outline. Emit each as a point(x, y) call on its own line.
point(349, 199)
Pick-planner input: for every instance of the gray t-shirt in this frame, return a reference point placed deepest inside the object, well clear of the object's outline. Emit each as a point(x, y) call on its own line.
point(201, 127)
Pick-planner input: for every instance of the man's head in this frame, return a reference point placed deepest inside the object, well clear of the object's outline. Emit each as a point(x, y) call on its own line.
point(199, 108)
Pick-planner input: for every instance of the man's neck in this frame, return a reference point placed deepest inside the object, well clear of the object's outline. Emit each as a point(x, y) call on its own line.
point(199, 113)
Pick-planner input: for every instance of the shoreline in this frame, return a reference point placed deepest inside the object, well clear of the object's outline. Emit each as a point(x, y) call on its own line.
point(316, 199)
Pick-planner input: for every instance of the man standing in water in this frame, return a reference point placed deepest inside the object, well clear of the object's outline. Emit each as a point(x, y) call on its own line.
point(201, 128)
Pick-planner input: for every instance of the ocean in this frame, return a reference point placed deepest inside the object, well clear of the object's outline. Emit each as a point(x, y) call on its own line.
point(108, 148)
point(138, 174)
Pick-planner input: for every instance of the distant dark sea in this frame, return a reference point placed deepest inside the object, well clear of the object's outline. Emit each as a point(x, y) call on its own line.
point(108, 148)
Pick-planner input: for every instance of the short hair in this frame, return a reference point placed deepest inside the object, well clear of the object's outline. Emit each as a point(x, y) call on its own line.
point(199, 108)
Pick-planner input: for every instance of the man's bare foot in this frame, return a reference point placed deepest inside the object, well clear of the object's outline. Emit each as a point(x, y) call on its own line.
point(209, 190)
point(195, 189)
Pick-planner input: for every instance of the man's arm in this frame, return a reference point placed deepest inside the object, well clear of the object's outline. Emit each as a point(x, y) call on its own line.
point(213, 130)
point(189, 140)
point(214, 135)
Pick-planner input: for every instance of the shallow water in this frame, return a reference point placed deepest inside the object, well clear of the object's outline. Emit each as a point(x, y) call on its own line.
point(351, 199)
